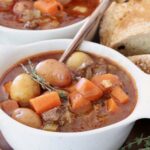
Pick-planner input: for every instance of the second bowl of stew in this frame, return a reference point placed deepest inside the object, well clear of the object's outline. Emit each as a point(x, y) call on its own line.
point(77, 104)
point(34, 20)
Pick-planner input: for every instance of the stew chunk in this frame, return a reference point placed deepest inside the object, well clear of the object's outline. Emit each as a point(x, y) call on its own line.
point(44, 14)
point(86, 92)
point(27, 117)
point(24, 88)
point(54, 72)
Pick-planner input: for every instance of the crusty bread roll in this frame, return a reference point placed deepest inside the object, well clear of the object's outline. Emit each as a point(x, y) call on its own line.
point(142, 61)
point(126, 27)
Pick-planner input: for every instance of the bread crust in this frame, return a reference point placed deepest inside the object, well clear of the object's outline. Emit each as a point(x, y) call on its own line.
point(126, 27)
point(142, 61)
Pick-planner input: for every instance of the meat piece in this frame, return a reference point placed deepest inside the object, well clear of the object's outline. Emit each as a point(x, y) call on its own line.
point(6, 4)
point(21, 6)
point(27, 14)
point(52, 115)
point(23, 9)
point(64, 2)
point(9, 106)
point(66, 117)
point(100, 69)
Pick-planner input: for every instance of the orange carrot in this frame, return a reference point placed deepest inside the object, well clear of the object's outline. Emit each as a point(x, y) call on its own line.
point(7, 87)
point(111, 105)
point(9, 106)
point(120, 95)
point(79, 104)
point(106, 81)
point(89, 90)
point(45, 102)
point(51, 7)
point(71, 88)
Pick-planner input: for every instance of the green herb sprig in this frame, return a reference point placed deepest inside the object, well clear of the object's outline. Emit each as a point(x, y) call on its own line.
point(137, 142)
point(45, 86)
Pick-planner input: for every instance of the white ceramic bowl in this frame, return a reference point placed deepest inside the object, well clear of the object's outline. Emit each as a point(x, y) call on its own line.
point(22, 137)
point(10, 36)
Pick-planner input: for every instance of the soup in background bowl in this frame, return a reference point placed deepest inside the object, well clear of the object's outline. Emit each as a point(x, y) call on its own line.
point(44, 14)
point(29, 24)
point(21, 136)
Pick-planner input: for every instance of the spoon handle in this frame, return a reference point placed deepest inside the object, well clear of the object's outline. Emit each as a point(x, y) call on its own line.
point(86, 28)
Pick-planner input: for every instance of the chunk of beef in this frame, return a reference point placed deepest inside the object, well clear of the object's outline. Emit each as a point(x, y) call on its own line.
point(27, 14)
point(21, 6)
point(52, 115)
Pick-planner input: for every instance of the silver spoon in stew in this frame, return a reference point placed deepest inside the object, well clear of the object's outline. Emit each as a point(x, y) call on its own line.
point(86, 28)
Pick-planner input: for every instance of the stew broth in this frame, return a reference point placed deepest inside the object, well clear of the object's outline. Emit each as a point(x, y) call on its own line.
point(22, 14)
point(98, 116)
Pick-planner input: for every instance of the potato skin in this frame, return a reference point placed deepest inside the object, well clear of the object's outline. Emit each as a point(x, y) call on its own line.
point(23, 88)
point(78, 60)
point(27, 117)
point(54, 72)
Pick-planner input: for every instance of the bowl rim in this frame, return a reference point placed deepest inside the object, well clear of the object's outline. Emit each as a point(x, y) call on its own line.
point(129, 119)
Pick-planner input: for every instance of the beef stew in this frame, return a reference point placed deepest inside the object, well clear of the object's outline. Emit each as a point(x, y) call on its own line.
point(84, 93)
point(44, 14)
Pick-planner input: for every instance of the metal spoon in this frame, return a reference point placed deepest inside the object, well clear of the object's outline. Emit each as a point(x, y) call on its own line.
point(86, 28)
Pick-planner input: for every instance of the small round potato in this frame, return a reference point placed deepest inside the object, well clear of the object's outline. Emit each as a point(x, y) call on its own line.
point(54, 72)
point(79, 60)
point(27, 117)
point(23, 88)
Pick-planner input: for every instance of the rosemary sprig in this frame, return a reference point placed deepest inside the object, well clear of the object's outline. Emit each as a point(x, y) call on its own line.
point(137, 142)
point(45, 86)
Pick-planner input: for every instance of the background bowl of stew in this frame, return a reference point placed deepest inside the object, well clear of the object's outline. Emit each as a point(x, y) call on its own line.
point(23, 137)
point(21, 23)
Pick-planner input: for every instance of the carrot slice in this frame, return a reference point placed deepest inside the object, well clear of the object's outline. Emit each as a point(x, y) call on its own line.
point(51, 7)
point(89, 90)
point(106, 81)
point(79, 104)
point(111, 105)
point(7, 87)
point(45, 102)
point(120, 95)
point(9, 106)
point(71, 88)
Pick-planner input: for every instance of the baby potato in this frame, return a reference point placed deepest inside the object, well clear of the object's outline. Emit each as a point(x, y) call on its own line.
point(23, 88)
point(27, 117)
point(54, 72)
point(80, 9)
point(78, 60)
